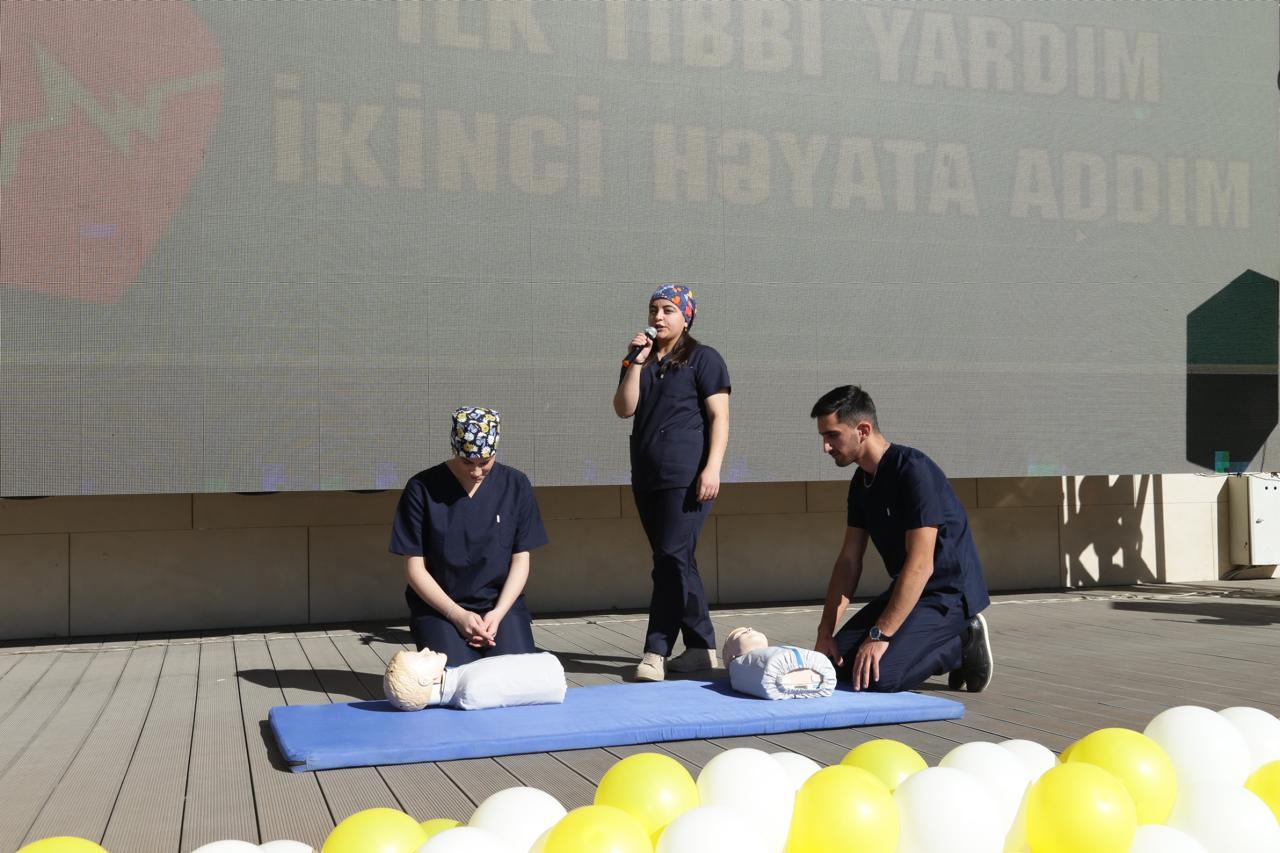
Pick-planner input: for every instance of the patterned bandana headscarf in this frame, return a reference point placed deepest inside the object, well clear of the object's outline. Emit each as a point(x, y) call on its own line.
point(682, 297)
point(473, 433)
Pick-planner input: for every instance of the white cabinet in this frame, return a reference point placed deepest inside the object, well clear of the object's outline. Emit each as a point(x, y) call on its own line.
point(1255, 519)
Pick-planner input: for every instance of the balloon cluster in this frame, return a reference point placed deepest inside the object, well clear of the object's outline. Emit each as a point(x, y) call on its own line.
point(1194, 781)
point(68, 844)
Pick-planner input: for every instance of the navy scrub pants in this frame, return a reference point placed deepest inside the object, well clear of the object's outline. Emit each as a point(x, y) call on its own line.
point(672, 520)
point(432, 631)
point(927, 644)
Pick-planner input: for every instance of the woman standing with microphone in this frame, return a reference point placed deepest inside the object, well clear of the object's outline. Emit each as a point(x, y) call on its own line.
point(678, 391)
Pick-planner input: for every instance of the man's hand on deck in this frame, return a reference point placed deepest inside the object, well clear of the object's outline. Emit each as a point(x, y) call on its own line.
point(866, 663)
point(826, 644)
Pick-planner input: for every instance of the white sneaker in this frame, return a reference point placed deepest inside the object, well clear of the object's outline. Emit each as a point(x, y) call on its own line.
point(693, 660)
point(652, 667)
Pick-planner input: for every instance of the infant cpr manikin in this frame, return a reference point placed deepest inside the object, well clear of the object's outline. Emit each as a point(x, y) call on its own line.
point(415, 680)
point(776, 672)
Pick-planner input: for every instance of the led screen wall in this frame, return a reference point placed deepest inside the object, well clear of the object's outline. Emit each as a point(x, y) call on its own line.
point(257, 246)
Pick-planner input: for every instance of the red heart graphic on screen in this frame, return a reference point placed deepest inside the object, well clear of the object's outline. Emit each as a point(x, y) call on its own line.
point(108, 108)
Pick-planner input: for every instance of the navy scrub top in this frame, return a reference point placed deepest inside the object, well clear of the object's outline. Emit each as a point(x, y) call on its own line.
point(467, 541)
point(669, 432)
point(909, 491)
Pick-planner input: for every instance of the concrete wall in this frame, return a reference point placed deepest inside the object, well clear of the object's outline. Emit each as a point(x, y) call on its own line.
point(97, 565)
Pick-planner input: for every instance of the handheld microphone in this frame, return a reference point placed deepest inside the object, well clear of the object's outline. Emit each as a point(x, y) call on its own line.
point(650, 332)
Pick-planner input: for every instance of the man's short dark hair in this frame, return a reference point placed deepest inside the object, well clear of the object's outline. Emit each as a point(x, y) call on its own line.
point(849, 403)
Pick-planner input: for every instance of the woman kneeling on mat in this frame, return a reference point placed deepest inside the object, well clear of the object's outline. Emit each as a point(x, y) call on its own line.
point(465, 528)
point(678, 391)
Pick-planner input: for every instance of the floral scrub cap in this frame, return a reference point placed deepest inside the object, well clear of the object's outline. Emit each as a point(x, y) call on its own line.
point(682, 297)
point(474, 432)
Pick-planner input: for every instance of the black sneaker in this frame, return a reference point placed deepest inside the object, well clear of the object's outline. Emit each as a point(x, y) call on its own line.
point(976, 665)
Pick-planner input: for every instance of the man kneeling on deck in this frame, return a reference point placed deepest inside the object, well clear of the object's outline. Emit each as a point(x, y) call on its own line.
point(929, 620)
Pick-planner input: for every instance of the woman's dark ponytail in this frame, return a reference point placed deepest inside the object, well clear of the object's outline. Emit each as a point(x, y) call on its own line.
point(680, 353)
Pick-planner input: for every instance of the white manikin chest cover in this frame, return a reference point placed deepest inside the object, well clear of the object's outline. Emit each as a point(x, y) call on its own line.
point(783, 672)
point(503, 681)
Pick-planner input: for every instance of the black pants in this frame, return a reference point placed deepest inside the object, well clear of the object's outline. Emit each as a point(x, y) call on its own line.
point(927, 644)
point(672, 520)
point(432, 631)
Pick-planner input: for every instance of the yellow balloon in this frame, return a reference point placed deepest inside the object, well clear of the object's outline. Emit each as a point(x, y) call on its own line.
point(1265, 782)
point(63, 844)
point(376, 831)
point(598, 829)
point(1079, 808)
point(654, 789)
point(841, 806)
point(1141, 765)
point(888, 760)
point(437, 825)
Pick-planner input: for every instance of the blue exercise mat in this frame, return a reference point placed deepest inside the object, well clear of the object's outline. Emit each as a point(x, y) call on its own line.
point(322, 737)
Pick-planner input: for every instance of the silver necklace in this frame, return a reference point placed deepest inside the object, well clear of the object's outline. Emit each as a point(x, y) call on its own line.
point(871, 480)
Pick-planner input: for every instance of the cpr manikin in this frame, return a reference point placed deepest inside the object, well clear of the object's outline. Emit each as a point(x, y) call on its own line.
point(415, 680)
point(776, 672)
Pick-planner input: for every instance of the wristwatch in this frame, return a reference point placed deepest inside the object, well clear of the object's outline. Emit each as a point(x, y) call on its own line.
point(876, 635)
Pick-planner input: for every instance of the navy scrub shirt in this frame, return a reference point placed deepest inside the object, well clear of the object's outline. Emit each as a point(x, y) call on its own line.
point(909, 491)
point(669, 433)
point(467, 541)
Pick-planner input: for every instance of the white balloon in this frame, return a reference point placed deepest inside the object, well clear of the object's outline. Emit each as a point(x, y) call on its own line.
point(468, 839)
point(710, 829)
point(1225, 819)
point(753, 784)
point(1203, 746)
point(799, 767)
point(942, 810)
point(1016, 840)
point(1260, 730)
point(1152, 838)
point(518, 815)
point(1000, 770)
point(285, 846)
point(229, 845)
point(1036, 758)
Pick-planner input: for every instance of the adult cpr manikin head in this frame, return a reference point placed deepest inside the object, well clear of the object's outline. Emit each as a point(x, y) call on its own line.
point(412, 680)
point(742, 640)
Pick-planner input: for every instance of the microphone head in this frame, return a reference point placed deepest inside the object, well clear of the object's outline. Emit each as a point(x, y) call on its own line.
point(650, 332)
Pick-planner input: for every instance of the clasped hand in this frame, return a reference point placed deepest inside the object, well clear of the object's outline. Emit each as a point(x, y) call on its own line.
point(479, 631)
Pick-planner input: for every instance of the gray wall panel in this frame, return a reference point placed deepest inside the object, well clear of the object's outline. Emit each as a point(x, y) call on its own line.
point(260, 246)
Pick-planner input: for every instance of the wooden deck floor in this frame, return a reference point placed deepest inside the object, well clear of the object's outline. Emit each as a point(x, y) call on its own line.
point(158, 743)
